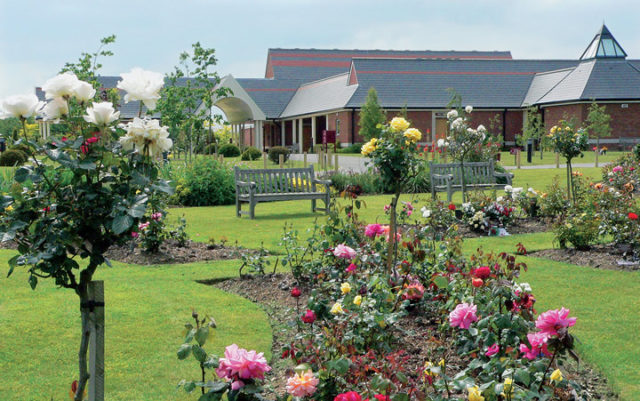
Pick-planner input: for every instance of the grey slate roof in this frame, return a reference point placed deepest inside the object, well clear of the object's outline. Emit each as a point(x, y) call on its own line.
point(312, 64)
point(424, 83)
point(542, 83)
point(323, 95)
point(272, 96)
point(599, 79)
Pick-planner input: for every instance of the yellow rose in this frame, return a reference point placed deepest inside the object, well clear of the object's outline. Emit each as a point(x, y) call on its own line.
point(345, 288)
point(137, 191)
point(507, 388)
point(475, 394)
point(336, 309)
point(369, 147)
point(399, 124)
point(357, 300)
point(428, 366)
point(8, 208)
point(441, 363)
point(556, 376)
point(567, 129)
point(554, 129)
point(413, 135)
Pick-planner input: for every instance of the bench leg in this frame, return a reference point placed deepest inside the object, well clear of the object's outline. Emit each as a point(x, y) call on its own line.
point(252, 210)
point(238, 207)
point(327, 204)
point(313, 205)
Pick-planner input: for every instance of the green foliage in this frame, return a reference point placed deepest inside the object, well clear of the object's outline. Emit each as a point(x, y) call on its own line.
point(353, 148)
point(255, 262)
point(598, 122)
point(229, 150)
point(323, 148)
point(205, 182)
point(371, 116)
point(534, 128)
point(250, 153)
point(368, 183)
point(580, 230)
point(13, 157)
point(276, 151)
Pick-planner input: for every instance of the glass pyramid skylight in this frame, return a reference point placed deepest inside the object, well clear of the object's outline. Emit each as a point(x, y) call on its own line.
point(603, 45)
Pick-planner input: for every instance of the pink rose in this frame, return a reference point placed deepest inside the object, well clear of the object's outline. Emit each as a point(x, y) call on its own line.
point(463, 315)
point(551, 321)
point(373, 230)
point(492, 350)
point(344, 252)
point(618, 169)
point(538, 348)
point(351, 268)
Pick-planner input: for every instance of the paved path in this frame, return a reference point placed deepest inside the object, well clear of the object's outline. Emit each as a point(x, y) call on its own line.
point(357, 164)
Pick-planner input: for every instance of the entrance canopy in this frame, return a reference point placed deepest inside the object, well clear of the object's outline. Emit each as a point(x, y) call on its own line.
point(238, 106)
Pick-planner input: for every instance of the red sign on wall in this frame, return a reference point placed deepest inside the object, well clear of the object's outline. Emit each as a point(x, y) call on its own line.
point(328, 137)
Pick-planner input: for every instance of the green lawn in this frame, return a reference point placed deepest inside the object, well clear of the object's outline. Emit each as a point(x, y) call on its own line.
point(146, 308)
point(221, 221)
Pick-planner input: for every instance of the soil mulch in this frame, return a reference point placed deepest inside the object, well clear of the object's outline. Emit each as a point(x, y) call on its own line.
point(171, 253)
point(518, 226)
point(598, 257)
point(420, 336)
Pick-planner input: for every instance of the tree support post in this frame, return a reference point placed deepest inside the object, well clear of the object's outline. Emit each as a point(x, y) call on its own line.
point(96, 341)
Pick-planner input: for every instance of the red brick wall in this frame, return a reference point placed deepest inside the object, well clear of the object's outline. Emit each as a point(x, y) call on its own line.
point(553, 114)
point(344, 136)
point(514, 121)
point(624, 122)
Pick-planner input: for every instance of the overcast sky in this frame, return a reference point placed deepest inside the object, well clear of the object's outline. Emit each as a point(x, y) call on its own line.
point(37, 37)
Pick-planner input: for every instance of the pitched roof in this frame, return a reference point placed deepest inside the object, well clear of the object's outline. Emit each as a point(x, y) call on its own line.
point(422, 83)
point(313, 64)
point(271, 95)
point(323, 95)
point(595, 79)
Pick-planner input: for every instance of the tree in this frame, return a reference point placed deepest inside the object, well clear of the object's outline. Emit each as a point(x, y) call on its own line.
point(598, 124)
point(534, 129)
point(570, 143)
point(80, 195)
point(371, 116)
point(189, 95)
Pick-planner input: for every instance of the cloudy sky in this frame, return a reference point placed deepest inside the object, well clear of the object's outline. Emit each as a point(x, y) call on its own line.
point(37, 37)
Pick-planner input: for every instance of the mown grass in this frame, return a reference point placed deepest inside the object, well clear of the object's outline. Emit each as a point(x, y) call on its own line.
point(221, 222)
point(146, 308)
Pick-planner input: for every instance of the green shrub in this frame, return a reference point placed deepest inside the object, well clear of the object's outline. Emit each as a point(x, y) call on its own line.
point(13, 157)
point(421, 183)
point(205, 182)
point(229, 150)
point(581, 231)
point(353, 148)
point(276, 151)
point(321, 147)
point(251, 153)
point(369, 183)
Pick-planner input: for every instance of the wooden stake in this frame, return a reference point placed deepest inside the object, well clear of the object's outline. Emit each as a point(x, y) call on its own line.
point(281, 160)
point(264, 159)
point(597, 153)
point(518, 153)
point(335, 164)
point(96, 342)
point(304, 158)
point(557, 160)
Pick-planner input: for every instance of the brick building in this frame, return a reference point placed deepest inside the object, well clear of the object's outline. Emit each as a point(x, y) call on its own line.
point(306, 91)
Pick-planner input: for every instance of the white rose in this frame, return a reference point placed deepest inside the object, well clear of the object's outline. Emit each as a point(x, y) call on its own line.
point(55, 109)
point(62, 85)
point(142, 85)
point(500, 199)
point(508, 188)
point(517, 190)
point(101, 114)
point(425, 212)
point(147, 136)
point(481, 128)
point(84, 91)
point(21, 106)
point(533, 191)
point(452, 114)
point(468, 109)
point(471, 131)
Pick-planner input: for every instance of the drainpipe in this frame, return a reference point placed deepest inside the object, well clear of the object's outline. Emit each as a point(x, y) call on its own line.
point(353, 125)
point(504, 126)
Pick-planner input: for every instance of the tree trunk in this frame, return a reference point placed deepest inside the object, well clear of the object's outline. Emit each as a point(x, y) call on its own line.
point(393, 229)
point(84, 344)
point(569, 182)
point(597, 149)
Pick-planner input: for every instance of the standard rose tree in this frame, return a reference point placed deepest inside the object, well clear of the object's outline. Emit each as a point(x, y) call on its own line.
point(84, 191)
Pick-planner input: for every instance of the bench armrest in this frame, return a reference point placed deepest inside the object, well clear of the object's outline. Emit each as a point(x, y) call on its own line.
point(250, 185)
point(508, 176)
point(443, 176)
point(322, 182)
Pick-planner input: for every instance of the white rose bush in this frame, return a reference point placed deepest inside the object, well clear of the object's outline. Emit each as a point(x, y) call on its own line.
point(85, 190)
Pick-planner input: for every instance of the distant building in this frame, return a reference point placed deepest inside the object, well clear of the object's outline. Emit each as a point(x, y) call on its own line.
point(306, 91)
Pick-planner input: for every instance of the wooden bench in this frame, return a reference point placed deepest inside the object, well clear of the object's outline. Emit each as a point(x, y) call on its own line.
point(269, 185)
point(478, 175)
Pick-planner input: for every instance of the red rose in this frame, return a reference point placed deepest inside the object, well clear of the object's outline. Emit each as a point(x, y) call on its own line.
point(309, 317)
point(633, 216)
point(350, 396)
point(482, 272)
point(91, 140)
point(452, 206)
point(295, 292)
point(477, 282)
